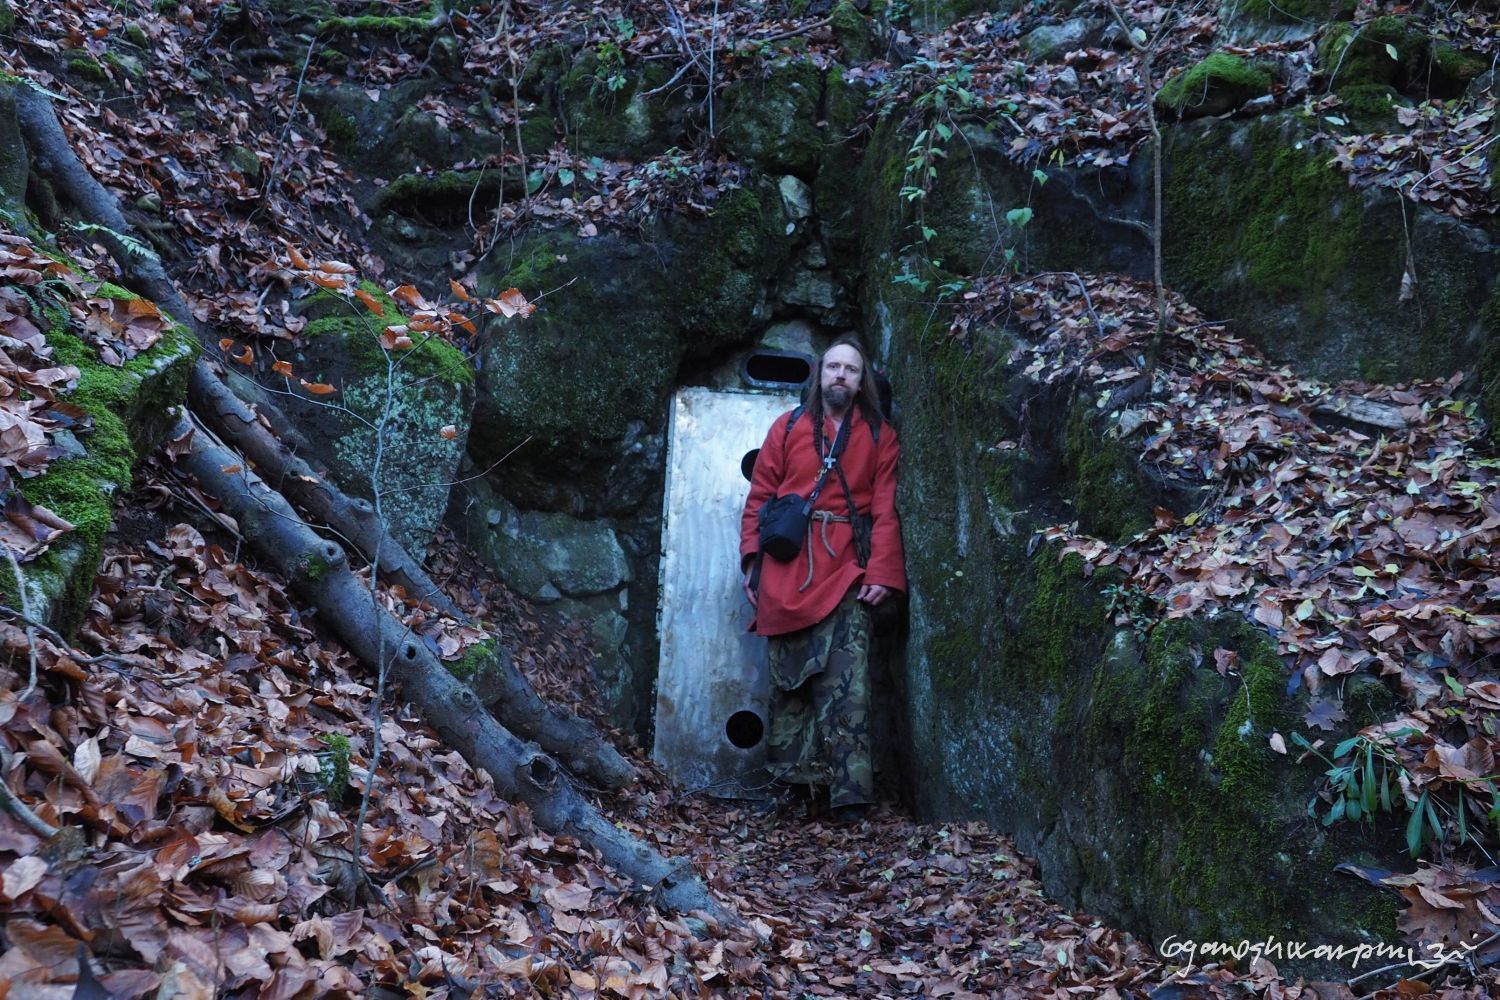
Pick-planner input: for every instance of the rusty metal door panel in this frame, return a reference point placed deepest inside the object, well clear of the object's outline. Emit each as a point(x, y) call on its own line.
point(711, 669)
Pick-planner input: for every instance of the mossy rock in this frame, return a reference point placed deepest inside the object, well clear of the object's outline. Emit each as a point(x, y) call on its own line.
point(1294, 12)
point(585, 378)
point(1217, 84)
point(395, 26)
point(1309, 267)
point(935, 15)
point(1138, 776)
point(852, 30)
point(770, 119)
point(245, 161)
point(445, 197)
point(606, 111)
point(131, 409)
point(1453, 69)
point(416, 393)
point(1371, 107)
point(1387, 50)
point(81, 64)
point(1075, 222)
point(393, 136)
point(1487, 381)
point(838, 198)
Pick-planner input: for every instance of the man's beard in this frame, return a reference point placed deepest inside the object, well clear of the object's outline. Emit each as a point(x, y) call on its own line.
point(838, 396)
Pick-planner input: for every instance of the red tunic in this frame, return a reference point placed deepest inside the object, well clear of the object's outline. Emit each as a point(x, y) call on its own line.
point(790, 464)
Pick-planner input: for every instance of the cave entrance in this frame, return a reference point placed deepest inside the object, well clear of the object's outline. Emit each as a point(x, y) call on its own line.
point(711, 687)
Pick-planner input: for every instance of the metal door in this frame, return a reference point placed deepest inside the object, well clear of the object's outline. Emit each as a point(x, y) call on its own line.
point(711, 686)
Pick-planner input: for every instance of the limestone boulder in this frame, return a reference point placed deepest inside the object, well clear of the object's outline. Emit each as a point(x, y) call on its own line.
point(395, 430)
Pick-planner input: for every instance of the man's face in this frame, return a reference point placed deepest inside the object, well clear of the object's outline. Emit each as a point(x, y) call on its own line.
point(842, 371)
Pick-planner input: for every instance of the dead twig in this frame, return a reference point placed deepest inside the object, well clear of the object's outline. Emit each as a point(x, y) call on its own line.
point(16, 807)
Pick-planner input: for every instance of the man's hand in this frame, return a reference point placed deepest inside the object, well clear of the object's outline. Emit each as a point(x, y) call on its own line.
point(750, 593)
point(873, 593)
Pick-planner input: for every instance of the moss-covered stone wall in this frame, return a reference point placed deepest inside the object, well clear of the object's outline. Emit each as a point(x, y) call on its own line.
point(1139, 777)
point(1263, 230)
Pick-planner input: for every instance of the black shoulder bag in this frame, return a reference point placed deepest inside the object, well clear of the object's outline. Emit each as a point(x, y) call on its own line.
point(783, 520)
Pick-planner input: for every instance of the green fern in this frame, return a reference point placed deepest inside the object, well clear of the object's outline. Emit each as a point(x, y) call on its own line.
point(132, 246)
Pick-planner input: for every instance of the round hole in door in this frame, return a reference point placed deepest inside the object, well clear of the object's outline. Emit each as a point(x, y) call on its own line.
point(745, 729)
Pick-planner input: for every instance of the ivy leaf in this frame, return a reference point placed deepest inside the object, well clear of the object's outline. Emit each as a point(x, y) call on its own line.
point(1019, 216)
point(565, 176)
point(1390, 50)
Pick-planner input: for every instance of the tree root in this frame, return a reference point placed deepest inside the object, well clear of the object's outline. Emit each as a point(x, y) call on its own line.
point(318, 570)
point(262, 435)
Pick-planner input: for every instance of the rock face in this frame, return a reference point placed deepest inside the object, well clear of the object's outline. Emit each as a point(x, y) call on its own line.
point(387, 432)
point(1100, 751)
point(1266, 231)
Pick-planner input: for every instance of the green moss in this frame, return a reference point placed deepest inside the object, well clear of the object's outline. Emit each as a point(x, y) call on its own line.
point(605, 110)
point(7, 18)
point(137, 35)
point(245, 161)
point(446, 195)
point(772, 121)
point(1109, 496)
point(1220, 81)
point(374, 25)
point(1296, 238)
point(84, 65)
point(1062, 625)
point(935, 15)
point(1453, 69)
point(129, 409)
point(1372, 106)
point(1489, 364)
point(1298, 11)
point(852, 31)
point(360, 329)
point(127, 64)
point(745, 244)
point(467, 666)
point(340, 126)
point(335, 769)
point(313, 566)
point(1351, 54)
point(838, 196)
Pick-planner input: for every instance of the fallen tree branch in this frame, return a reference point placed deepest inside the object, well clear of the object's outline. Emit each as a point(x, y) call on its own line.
point(497, 681)
point(16, 807)
point(1359, 410)
point(261, 434)
point(318, 571)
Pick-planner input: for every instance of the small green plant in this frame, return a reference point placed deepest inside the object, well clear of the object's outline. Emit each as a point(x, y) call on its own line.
point(1365, 776)
point(335, 761)
point(1133, 607)
point(943, 96)
point(672, 166)
point(610, 55)
point(132, 245)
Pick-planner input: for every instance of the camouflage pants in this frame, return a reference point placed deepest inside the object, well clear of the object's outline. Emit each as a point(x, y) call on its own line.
point(820, 705)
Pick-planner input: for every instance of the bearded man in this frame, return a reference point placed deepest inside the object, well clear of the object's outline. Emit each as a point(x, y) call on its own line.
point(815, 608)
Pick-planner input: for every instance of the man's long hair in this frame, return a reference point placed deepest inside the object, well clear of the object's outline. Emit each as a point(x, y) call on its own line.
point(867, 398)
